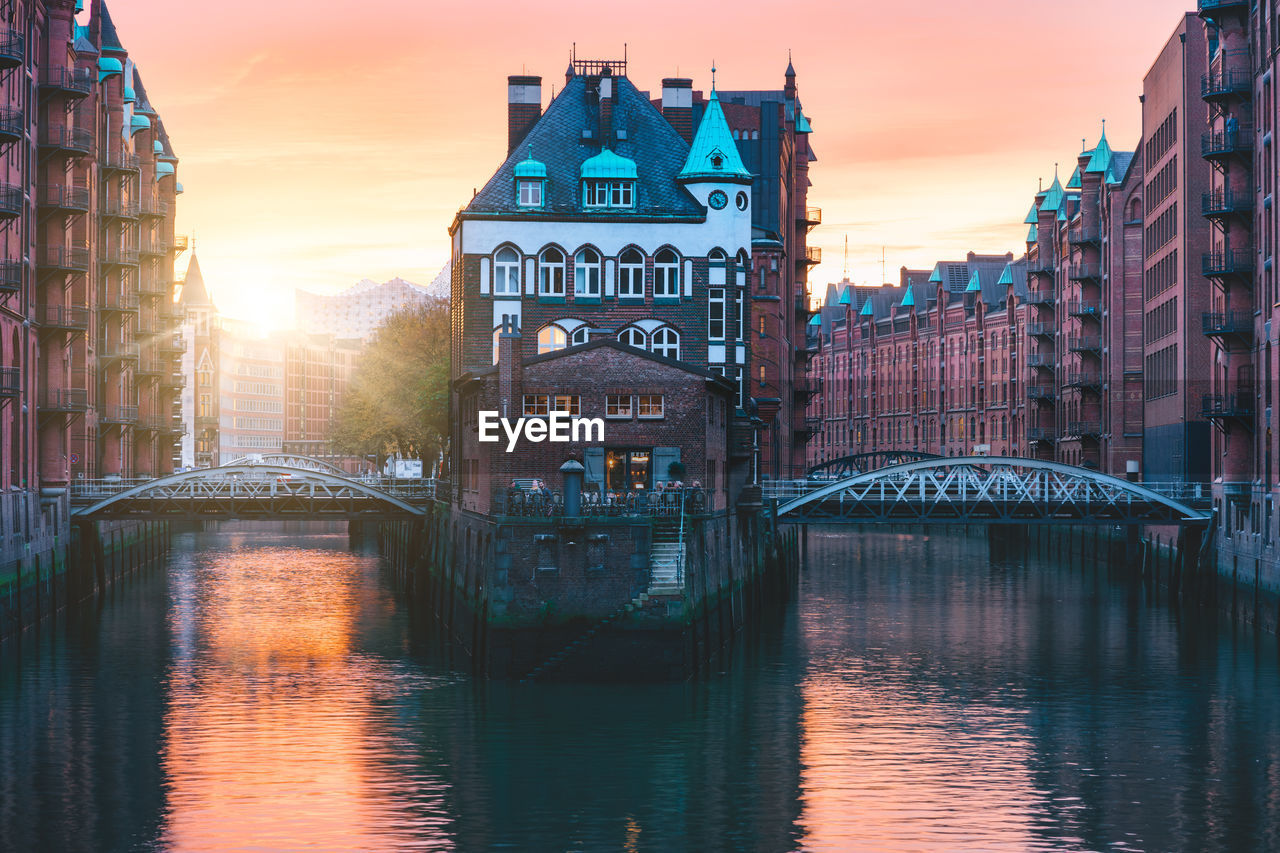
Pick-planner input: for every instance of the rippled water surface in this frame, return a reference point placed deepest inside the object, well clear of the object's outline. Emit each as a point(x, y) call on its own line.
point(265, 691)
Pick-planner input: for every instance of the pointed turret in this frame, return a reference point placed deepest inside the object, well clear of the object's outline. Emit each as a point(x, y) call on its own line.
point(713, 155)
point(1101, 160)
point(1053, 196)
point(194, 292)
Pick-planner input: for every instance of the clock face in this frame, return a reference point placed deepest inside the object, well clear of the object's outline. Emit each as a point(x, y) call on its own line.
point(742, 201)
point(718, 199)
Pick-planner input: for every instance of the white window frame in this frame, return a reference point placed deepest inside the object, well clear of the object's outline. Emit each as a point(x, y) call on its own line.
point(552, 338)
point(644, 401)
point(666, 275)
point(629, 335)
point(619, 406)
point(587, 273)
point(716, 321)
point(631, 275)
point(506, 272)
point(663, 340)
point(529, 192)
point(601, 193)
point(550, 273)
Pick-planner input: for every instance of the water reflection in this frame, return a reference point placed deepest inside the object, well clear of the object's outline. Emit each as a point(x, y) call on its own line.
point(267, 691)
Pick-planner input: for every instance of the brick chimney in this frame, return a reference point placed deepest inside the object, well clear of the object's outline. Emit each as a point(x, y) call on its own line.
point(608, 97)
point(524, 107)
point(677, 105)
point(510, 370)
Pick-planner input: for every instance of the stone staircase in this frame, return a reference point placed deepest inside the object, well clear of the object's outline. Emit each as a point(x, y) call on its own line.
point(666, 558)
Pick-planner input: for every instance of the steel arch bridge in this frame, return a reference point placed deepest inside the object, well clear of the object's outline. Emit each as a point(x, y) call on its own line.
point(858, 463)
point(289, 460)
point(257, 491)
point(980, 489)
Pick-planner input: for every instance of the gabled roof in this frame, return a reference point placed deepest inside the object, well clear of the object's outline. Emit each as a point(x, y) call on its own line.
point(975, 285)
point(1101, 159)
point(908, 299)
point(652, 143)
point(1074, 182)
point(614, 344)
point(846, 296)
point(1052, 197)
point(1032, 215)
point(713, 154)
point(1033, 234)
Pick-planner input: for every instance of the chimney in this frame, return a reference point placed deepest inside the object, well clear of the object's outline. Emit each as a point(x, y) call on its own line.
point(510, 369)
point(608, 96)
point(524, 108)
point(677, 105)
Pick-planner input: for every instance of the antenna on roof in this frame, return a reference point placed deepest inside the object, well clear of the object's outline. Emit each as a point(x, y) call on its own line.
point(713, 75)
point(846, 257)
point(882, 272)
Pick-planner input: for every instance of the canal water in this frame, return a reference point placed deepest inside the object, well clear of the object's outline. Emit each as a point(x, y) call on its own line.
point(266, 691)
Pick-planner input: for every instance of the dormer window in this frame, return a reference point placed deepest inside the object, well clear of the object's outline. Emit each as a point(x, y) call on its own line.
point(530, 193)
point(609, 193)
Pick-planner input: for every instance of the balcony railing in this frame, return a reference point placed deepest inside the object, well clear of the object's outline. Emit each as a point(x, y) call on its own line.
point(1085, 343)
point(1228, 262)
point(153, 207)
point(1044, 298)
point(1226, 143)
point(811, 216)
point(12, 201)
point(119, 160)
point(120, 208)
point(1040, 359)
point(121, 257)
point(169, 310)
point(1237, 405)
point(10, 381)
point(1208, 7)
point(117, 301)
point(173, 344)
point(155, 286)
point(64, 258)
point(180, 242)
point(10, 276)
point(1085, 234)
point(1042, 434)
point(1041, 330)
point(64, 400)
point(151, 247)
point(67, 139)
point(118, 415)
point(1089, 379)
point(66, 318)
point(12, 123)
point(62, 197)
point(812, 255)
point(150, 367)
point(1085, 272)
point(1084, 428)
point(174, 380)
point(1223, 323)
point(119, 352)
point(1222, 85)
point(12, 49)
point(1041, 392)
point(1084, 308)
point(1221, 203)
point(73, 82)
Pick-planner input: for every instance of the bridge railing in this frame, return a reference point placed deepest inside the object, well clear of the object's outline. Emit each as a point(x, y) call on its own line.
point(86, 490)
point(671, 503)
point(1194, 494)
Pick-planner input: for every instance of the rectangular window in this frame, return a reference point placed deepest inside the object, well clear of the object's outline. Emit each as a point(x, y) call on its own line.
point(552, 279)
point(570, 403)
point(531, 193)
point(649, 405)
point(617, 405)
point(608, 194)
point(715, 313)
point(586, 279)
point(535, 405)
point(630, 281)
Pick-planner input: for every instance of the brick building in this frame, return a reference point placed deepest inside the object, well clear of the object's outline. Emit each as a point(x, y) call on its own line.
point(87, 319)
point(605, 223)
point(656, 411)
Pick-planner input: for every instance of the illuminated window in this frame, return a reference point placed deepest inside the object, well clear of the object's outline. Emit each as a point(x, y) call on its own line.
point(552, 338)
point(617, 405)
point(506, 273)
point(649, 405)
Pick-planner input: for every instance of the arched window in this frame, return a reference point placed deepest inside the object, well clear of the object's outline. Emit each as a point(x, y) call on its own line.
point(580, 335)
point(666, 341)
point(552, 338)
point(586, 273)
point(633, 337)
point(497, 334)
point(506, 272)
point(666, 274)
point(551, 273)
point(631, 275)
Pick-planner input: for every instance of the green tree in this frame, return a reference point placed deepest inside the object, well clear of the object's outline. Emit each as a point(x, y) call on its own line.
point(398, 398)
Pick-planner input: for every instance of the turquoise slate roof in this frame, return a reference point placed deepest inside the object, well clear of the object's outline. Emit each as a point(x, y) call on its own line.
point(139, 123)
point(909, 299)
point(936, 278)
point(1033, 235)
point(1032, 216)
point(975, 286)
point(107, 66)
point(866, 309)
point(1006, 277)
point(846, 296)
point(1074, 182)
point(1052, 197)
point(713, 144)
point(1101, 159)
point(610, 166)
point(163, 170)
point(531, 168)
point(802, 124)
point(815, 320)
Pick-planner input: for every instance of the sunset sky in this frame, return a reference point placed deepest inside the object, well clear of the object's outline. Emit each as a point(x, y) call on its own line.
point(322, 143)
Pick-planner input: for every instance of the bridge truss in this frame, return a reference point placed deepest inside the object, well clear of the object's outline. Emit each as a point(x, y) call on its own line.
point(254, 491)
point(989, 490)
